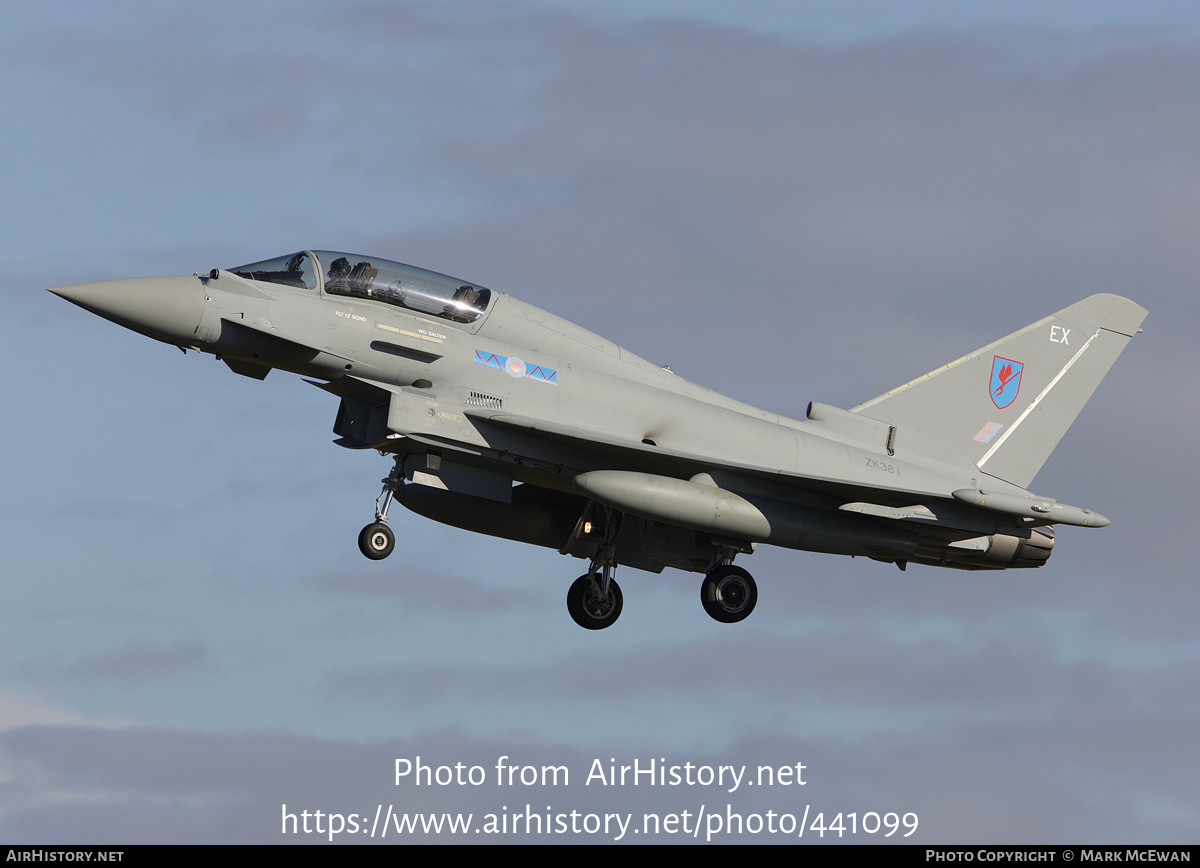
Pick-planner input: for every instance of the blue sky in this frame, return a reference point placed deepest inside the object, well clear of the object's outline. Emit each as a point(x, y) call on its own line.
point(793, 202)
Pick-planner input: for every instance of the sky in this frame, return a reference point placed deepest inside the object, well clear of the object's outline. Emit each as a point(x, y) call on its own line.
point(784, 202)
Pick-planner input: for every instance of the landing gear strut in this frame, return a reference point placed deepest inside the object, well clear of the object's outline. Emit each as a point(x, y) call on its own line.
point(594, 600)
point(728, 594)
point(376, 540)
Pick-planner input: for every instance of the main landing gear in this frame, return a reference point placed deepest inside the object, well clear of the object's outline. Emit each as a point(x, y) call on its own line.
point(728, 594)
point(594, 599)
point(594, 602)
point(376, 540)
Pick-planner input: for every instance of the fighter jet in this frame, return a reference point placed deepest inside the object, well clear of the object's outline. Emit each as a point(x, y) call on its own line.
point(504, 419)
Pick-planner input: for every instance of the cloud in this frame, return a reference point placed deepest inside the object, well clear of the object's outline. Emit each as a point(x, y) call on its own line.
point(432, 590)
point(138, 662)
point(17, 710)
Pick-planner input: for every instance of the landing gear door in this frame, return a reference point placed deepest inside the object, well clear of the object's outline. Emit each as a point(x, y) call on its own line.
point(461, 479)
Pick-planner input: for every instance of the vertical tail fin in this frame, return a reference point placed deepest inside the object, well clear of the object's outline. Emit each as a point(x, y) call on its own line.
point(1005, 406)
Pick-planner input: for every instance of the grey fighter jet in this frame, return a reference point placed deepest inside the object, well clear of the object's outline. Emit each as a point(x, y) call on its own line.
point(506, 420)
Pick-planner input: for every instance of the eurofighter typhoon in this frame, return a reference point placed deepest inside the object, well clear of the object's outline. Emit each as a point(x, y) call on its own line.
point(504, 419)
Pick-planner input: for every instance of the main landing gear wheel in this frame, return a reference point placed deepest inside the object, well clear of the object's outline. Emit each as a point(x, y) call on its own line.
point(376, 541)
point(728, 594)
point(590, 609)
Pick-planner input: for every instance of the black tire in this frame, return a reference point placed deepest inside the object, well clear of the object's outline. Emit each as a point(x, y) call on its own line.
point(376, 541)
point(729, 594)
point(588, 608)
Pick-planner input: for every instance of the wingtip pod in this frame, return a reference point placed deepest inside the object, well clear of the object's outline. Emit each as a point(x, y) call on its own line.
point(1029, 506)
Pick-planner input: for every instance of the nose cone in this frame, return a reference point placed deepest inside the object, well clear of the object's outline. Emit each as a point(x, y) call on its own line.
point(164, 308)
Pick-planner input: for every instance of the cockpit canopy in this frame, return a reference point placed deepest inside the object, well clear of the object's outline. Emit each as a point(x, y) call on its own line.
point(376, 279)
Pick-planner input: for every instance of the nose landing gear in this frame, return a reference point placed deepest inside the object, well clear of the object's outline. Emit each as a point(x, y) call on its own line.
point(376, 540)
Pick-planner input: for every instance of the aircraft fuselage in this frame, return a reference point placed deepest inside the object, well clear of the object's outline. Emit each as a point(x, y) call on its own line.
point(507, 420)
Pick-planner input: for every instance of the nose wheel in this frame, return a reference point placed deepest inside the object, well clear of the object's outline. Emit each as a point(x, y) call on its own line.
point(376, 541)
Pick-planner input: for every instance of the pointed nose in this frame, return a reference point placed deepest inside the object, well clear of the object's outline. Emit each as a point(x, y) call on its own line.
point(164, 308)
